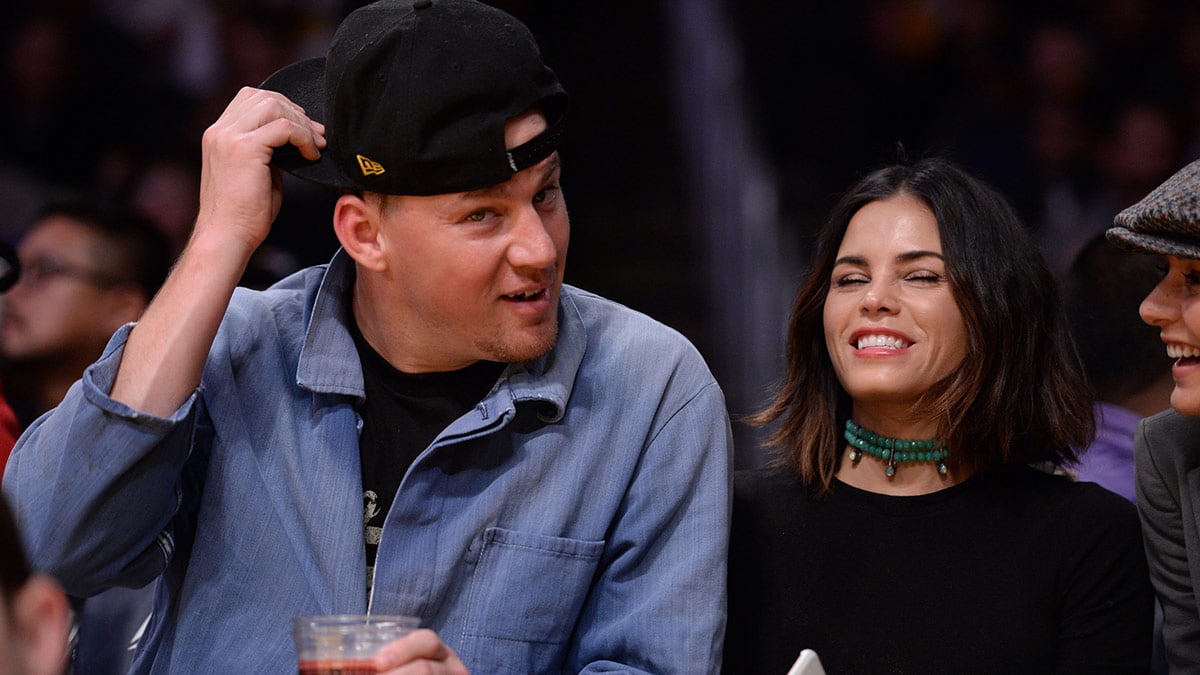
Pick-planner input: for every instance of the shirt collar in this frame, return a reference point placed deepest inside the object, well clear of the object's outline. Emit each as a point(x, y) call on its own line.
point(329, 361)
point(548, 380)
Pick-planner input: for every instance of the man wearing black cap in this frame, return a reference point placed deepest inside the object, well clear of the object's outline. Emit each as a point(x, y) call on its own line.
point(432, 424)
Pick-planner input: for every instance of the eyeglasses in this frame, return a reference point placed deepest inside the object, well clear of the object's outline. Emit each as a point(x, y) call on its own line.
point(35, 273)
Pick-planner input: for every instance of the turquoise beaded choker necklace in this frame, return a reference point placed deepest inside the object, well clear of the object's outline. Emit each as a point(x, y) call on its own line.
point(894, 450)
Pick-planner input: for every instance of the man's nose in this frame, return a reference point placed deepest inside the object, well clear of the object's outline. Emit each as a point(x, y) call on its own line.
point(532, 246)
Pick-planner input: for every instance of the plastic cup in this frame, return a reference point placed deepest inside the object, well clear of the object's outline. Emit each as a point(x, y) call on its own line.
point(345, 644)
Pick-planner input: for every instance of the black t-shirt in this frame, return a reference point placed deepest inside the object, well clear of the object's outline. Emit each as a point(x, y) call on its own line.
point(1022, 572)
point(402, 414)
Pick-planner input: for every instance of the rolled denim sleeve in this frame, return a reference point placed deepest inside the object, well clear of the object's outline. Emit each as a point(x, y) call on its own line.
point(659, 603)
point(96, 484)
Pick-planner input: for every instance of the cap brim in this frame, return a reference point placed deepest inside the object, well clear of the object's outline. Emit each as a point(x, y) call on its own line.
point(303, 83)
point(1150, 243)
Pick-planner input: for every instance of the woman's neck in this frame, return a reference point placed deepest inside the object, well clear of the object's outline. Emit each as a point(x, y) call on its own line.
point(872, 473)
point(897, 423)
point(869, 473)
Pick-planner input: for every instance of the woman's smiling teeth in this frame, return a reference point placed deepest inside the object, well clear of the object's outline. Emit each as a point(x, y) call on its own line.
point(889, 341)
point(1177, 351)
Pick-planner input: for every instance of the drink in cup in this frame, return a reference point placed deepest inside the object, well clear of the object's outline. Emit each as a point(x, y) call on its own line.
point(345, 644)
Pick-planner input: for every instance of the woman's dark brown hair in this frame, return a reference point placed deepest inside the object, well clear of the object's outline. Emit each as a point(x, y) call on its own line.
point(1020, 395)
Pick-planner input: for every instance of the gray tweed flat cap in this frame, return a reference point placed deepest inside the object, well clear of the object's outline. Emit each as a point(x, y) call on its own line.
point(1165, 221)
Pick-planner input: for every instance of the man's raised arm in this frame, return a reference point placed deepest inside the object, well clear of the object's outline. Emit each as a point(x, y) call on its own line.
point(240, 196)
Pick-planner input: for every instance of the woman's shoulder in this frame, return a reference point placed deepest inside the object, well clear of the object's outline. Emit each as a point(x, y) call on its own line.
point(765, 482)
point(1172, 439)
point(767, 489)
point(772, 514)
point(1061, 497)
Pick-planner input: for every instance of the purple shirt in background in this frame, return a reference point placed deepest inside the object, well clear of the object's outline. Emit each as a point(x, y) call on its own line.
point(1109, 459)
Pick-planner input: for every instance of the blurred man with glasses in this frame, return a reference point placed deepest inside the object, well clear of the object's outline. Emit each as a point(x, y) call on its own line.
point(86, 270)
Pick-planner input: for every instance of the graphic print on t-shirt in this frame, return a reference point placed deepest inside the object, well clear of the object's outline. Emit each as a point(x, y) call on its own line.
point(402, 414)
point(370, 510)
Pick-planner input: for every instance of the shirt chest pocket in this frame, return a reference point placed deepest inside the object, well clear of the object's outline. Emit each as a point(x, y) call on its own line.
point(529, 588)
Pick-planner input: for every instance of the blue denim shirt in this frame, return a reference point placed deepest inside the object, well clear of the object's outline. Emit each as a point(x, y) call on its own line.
point(576, 520)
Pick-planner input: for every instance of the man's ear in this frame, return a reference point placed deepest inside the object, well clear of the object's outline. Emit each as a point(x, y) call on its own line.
point(42, 623)
point(356, 223)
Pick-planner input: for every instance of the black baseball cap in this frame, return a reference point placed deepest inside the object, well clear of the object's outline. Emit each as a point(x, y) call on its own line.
point(414, 95)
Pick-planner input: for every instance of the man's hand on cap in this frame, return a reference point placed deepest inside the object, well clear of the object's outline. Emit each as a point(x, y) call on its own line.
point(239, 192)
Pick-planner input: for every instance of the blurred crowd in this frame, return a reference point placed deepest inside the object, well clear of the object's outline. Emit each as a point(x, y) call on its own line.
point(1075, 108)
point(108, 99)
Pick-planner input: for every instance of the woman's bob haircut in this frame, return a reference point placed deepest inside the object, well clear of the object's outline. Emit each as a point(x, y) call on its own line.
point(1020, 395)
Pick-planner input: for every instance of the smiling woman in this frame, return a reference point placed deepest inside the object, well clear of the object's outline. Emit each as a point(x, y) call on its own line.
point(890, 259)
point(1166, 452)
point(934, 257)
point(929, 366)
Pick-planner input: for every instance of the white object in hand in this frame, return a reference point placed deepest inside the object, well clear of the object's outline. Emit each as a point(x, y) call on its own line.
point(807, 664)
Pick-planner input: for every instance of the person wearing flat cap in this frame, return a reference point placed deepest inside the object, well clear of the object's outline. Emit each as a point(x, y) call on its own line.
point(432, 424)
point(1167, 445)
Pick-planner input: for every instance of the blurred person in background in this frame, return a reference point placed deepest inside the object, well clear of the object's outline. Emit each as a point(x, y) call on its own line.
point(1137, 147)
point(165, 190)
point(34, 615)
point(86, 269)
point(10, 426)
point(1122, 356)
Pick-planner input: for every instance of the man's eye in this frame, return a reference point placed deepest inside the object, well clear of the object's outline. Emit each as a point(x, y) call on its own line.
point(477, 217)
point(546, 195)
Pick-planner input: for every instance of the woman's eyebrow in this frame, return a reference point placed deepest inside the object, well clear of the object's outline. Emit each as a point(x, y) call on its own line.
point(916, 255)
point(902, 257)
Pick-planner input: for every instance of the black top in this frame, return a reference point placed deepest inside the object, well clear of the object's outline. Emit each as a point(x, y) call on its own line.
point(1022, 572)
point(402, 413)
